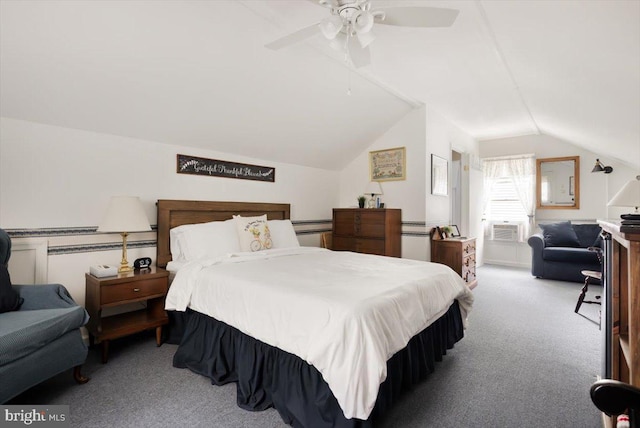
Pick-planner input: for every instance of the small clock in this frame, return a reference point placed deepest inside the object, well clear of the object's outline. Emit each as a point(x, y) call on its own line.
point(142, 263)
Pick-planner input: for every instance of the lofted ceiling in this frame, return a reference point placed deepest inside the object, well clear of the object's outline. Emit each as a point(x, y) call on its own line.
point(196, 73)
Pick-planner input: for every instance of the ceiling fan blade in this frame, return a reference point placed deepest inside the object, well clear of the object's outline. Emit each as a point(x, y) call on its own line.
point(294, 38)
point(419, 16)
point(359, 56)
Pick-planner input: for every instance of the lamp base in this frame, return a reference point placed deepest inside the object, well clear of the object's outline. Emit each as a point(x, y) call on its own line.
point(125, 268)
point(372, 202)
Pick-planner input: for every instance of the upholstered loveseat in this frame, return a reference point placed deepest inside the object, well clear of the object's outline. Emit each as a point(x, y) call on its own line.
point(39, 331)
point(562, 252)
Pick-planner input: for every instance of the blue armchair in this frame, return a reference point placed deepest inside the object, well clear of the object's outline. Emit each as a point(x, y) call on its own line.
point(39, 332)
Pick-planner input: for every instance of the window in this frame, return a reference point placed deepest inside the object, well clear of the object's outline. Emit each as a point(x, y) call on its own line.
point(509, 192)
point(504, 203)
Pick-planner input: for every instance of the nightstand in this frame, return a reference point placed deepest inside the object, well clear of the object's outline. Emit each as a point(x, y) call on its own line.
point(459, 254)
point(150, 286)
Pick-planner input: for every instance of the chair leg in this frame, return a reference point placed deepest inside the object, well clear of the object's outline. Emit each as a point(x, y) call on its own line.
point(78, 376)
point(583, 293)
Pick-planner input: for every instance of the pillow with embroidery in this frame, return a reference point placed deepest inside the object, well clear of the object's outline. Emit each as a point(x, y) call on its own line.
point(253, 233)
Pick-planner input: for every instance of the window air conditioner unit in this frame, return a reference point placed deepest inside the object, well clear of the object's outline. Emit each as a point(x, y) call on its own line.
point(505, 232)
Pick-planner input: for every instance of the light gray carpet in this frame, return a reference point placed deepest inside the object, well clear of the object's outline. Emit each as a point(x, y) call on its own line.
point(527, 360)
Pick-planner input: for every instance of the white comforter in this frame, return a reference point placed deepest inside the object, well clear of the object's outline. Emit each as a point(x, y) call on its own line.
point(344, 313)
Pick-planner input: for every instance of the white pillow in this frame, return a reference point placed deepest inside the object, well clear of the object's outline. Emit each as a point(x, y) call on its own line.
point(175, 243)
point(282, 234)
point(213, 239)
point(253, 233)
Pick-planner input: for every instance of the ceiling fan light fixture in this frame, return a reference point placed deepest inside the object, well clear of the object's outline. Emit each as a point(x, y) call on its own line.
point(331, 26)
point(362, 21)
point(365, 39)
point(339, 42)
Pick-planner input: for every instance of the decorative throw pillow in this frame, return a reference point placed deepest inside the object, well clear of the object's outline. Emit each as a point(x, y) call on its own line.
point(253, 233)
point(559, 235)
point(9, 298)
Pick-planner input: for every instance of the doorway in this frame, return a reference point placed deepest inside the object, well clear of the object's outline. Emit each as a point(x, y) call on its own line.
point(456, 189)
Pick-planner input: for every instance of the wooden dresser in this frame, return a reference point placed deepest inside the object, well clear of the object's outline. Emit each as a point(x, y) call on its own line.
point(368, 230)
point(459, 254)
point(621, 313)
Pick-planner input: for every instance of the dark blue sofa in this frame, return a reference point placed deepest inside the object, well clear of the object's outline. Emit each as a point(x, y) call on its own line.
point(561, 251)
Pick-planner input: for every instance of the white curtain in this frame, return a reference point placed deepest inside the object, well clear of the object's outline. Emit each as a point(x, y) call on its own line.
point(523, 174)
point(522, 171)
point(491, 170)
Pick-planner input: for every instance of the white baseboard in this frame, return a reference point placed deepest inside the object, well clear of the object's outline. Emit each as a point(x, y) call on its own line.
point(507, 263)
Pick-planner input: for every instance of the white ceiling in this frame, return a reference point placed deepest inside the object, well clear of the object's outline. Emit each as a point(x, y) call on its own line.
point(196, 73)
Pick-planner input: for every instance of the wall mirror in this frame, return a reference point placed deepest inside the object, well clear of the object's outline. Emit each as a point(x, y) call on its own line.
point(558, 183)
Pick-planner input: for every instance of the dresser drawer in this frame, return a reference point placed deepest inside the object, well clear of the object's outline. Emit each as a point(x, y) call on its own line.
point(469, 274)
point(370, 246)
point(117, 293)
point(343, 223)
point(469, 261)
point(341, 243)
point(469, 247)
point(370, 224)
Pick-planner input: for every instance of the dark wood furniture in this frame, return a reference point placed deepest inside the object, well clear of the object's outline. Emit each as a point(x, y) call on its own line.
point(459, 254)
point(621, 327)
point(174, 213)
point(148, 285)
point(372, 231)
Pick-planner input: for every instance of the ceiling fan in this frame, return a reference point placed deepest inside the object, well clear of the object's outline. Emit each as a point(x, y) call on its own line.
point(349, 26)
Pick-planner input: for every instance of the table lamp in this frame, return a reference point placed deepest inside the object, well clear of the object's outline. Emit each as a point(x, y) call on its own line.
point(628, 196)
point(125, 214)
point(373, 189)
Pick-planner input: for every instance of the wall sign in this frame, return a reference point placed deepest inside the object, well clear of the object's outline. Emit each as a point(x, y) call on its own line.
point(218, 168)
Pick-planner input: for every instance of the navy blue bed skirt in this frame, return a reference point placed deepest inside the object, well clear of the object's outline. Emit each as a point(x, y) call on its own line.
point(269, 377)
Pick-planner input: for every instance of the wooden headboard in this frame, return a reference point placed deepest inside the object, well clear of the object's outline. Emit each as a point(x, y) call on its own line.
point(173, 213)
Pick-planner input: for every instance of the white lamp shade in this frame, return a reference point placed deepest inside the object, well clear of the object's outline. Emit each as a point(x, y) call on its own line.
point(125, 214)
point(365, 39)
point(363, 22)
point(373, 188)
point(331, 26)
point(628, 196)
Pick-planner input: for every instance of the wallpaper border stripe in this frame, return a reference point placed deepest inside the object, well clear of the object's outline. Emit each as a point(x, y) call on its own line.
point(303, 227)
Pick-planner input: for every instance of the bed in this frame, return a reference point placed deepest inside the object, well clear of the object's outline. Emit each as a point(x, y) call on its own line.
point(329, 339)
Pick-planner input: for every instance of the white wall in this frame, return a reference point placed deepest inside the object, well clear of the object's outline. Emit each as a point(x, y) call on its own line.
point(408, 195)
point(59, 177)
point(443, 137)
point(422, 131)
point(595, 188)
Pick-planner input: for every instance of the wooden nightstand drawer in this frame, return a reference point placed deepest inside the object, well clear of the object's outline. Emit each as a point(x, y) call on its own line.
point(117, 293)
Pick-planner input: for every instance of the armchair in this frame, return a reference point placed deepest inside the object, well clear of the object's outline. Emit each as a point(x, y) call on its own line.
point(39, 332)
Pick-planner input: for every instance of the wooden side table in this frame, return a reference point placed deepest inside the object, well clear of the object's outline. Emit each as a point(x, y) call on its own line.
point(459, 254)
point(147, 285)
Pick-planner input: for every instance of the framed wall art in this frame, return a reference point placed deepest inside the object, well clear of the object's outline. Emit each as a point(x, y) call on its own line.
point(388, 164)
point(439, 176)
